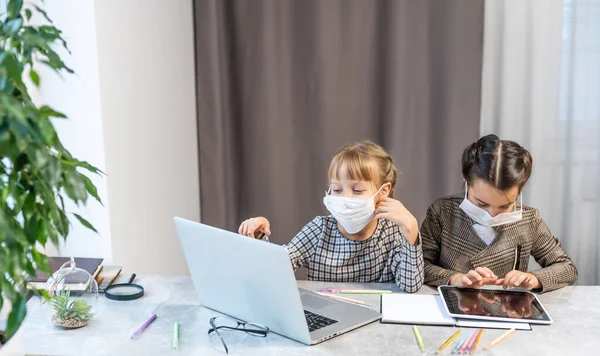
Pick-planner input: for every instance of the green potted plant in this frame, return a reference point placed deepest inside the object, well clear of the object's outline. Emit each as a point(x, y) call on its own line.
point(37, 173)
point(70, 314)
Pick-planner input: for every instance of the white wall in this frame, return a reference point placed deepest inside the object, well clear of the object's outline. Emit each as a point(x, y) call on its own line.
point(78, 96)
point(132, 113)
point(147, 86)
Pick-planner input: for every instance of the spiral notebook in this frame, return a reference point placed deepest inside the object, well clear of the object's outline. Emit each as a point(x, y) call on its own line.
point(420, 309)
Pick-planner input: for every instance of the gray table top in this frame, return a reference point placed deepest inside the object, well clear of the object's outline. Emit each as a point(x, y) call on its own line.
point(575, 310)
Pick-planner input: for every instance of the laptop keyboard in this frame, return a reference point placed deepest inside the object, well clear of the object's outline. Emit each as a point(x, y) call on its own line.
point(316, 321)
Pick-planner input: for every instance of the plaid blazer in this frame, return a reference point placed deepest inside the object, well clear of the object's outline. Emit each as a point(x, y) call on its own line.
point(450, 246)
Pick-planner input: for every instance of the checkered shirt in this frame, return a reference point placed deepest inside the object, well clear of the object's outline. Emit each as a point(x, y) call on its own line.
point(384, 257)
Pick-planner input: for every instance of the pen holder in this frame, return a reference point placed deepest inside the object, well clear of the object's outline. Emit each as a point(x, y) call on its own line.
point(73, 297)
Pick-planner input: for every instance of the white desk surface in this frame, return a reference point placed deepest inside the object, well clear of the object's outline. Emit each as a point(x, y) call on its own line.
point(575, 310)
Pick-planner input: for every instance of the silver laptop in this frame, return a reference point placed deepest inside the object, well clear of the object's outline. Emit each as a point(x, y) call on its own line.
point(253, 281)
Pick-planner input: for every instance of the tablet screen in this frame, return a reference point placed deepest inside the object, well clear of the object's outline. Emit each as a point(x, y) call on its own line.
point(493, 303)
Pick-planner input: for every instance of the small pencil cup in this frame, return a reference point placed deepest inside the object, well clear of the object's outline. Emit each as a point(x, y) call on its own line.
point(73, 297)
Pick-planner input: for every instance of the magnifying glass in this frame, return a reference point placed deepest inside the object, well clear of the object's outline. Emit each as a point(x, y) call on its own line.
point(125, 291)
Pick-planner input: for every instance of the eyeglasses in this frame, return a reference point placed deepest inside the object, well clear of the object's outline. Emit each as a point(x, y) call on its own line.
point(220, 323)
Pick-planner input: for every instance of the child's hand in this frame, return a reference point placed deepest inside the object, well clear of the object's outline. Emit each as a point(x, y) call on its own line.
point(476, 278)
point(251, 226)
point(519, 279)
point(395, 212)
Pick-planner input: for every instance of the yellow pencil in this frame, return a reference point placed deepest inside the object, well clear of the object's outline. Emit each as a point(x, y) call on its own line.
point(448, 342)
point(500, 339)
point(419, 338)
point(474, 348)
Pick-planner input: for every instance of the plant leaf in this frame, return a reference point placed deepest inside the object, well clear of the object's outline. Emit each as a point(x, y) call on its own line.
point(38, 157)
point(14, 8)
point(39, 9)
point(47, 131)
point(52, 172)
point(83, 164)
point(17, 315)
point(55, 61)
point(35, 77)
point(74, 186)
point(47, 111)
point(28, 14)
point(13, 26)
point(85, 223)
point(61, 227)
point(91, 188)
point(89, 167)
point(41, 261)
point(13, 67)
point(20, 129)
point(42, 233)
point(53, 235)
point(3, 129)
point(44, 293)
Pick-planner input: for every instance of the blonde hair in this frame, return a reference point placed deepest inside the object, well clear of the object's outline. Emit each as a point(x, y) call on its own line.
point(365, 161)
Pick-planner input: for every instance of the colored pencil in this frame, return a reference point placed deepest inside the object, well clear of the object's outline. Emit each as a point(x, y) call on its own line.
point(471, 341)
point(448, 342)
point(462, 341)
point(500, 339)
point(175, 336)
point(144, 326)
point(464, 345)
point(419, 338)
point(474, 348)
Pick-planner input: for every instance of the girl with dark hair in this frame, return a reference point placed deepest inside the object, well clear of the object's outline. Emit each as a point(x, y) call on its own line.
point(487, 235)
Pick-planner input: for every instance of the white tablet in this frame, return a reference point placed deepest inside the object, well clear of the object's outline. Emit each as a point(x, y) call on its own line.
point(493, 304)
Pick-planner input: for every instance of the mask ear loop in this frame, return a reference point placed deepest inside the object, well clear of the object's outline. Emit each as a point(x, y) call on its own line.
point(374, 195)
point(466, 188)
point(521, 201)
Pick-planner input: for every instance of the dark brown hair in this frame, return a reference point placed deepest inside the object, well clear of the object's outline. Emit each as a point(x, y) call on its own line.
point(501, 163)
point(366, 161)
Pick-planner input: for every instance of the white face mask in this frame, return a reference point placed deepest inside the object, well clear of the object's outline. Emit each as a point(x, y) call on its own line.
point(482, 217)
point(352, 213)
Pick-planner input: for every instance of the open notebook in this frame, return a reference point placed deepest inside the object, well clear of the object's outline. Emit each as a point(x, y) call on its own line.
point(418, 309)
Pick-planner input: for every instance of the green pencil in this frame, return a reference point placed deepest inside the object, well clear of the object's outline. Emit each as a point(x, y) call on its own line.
point(419, 338)
point(175, 336)
point(364, 291)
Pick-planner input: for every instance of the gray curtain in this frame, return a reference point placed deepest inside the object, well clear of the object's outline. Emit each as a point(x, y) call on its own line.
point(282, 84)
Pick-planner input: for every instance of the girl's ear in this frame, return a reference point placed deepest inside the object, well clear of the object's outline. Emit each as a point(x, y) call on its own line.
point(385, 190)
